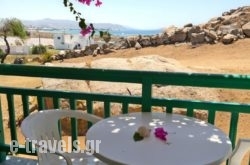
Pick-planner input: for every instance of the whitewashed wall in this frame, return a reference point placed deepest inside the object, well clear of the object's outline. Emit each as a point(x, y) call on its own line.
point(66, 41)
point(24, 50)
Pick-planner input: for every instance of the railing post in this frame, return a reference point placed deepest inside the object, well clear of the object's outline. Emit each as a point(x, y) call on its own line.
point(146, 94)
point(233, 127)
point(2, 141)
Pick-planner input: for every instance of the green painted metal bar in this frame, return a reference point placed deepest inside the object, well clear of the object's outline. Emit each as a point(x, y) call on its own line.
point(40, 102)
point(184, 79)
point(25, 102)
point(233, 127)
point(211, 116)
point(106, 109)
point(222, 106)
point(56, 103)
point(169, 109)
point(2, 140)
point(125, 107)
point(76, 95)
point(89, 110)
point(146, 94)
point(89, 106)
point(190, 112)
point(12, 118)
point(74, 127)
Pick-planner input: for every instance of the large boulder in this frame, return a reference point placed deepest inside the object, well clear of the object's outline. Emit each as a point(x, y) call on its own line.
point(197, 38)
point(145, 41)
point(229, 38)
point(147, 63)
point(65, 84)
point(175, 34)
point(246, 29)
point(191, 30)
point(211, 34)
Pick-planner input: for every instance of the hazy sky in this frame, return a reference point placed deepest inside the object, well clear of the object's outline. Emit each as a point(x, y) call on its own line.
point(141, 14)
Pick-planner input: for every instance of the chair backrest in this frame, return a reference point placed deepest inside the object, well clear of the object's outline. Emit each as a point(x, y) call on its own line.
point(43, 126)
point(242, 147)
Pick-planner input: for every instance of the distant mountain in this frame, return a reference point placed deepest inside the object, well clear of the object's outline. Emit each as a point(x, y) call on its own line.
point(67, 24)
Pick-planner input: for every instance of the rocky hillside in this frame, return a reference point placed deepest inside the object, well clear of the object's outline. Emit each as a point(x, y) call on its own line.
point(227, 28)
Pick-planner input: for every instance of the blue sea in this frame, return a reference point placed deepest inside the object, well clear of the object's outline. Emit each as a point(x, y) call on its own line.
point(120, 33)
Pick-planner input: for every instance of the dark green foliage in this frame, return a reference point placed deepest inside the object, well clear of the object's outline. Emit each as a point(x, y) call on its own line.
point(40, 49)
point(1, 52)
point(82, 23)
point(10, 27)
point(78, 17)
point(47, 57)
point(18, 28)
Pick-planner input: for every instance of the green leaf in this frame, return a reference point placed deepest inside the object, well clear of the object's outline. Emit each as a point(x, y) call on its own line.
point(137, 137)
point(93, 33)
point(101, 33)
point(65, 3)
point(82, 24)
point(71, 8)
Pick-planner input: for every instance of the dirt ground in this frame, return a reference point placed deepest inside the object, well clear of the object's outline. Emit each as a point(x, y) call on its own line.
point(217, 58)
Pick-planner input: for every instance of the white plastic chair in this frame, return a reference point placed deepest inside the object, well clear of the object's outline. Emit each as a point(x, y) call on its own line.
point(43, 126)
point(242, 147)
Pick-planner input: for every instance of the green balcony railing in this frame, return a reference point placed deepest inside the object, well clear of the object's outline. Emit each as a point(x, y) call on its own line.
point(146, 100)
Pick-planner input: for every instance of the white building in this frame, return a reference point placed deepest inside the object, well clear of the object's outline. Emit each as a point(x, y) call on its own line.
point(67, 41)
point(22, 50)
point(16, 46)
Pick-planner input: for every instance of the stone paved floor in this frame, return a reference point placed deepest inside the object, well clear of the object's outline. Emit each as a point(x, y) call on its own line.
point(13, 160)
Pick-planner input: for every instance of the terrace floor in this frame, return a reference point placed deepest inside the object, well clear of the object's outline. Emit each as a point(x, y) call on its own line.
point(12, 160)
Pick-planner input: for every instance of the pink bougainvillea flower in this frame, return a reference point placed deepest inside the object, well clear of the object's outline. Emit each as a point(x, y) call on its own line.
point(161, 133)
point(86, 31)
point(98, 3)
point(85, 1)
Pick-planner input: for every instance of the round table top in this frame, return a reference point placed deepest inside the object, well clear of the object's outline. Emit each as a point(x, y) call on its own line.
point(189, 140)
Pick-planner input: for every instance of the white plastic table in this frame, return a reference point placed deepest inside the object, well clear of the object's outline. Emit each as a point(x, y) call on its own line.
point(189, 141)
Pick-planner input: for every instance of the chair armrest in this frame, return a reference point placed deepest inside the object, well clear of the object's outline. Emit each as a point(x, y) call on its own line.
point(93, 118)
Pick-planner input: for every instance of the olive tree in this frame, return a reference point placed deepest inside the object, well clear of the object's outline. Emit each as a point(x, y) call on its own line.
point(10, 27)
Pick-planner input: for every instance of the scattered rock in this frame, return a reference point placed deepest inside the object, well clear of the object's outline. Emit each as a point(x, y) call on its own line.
point(246, 29)
point(229, 38)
